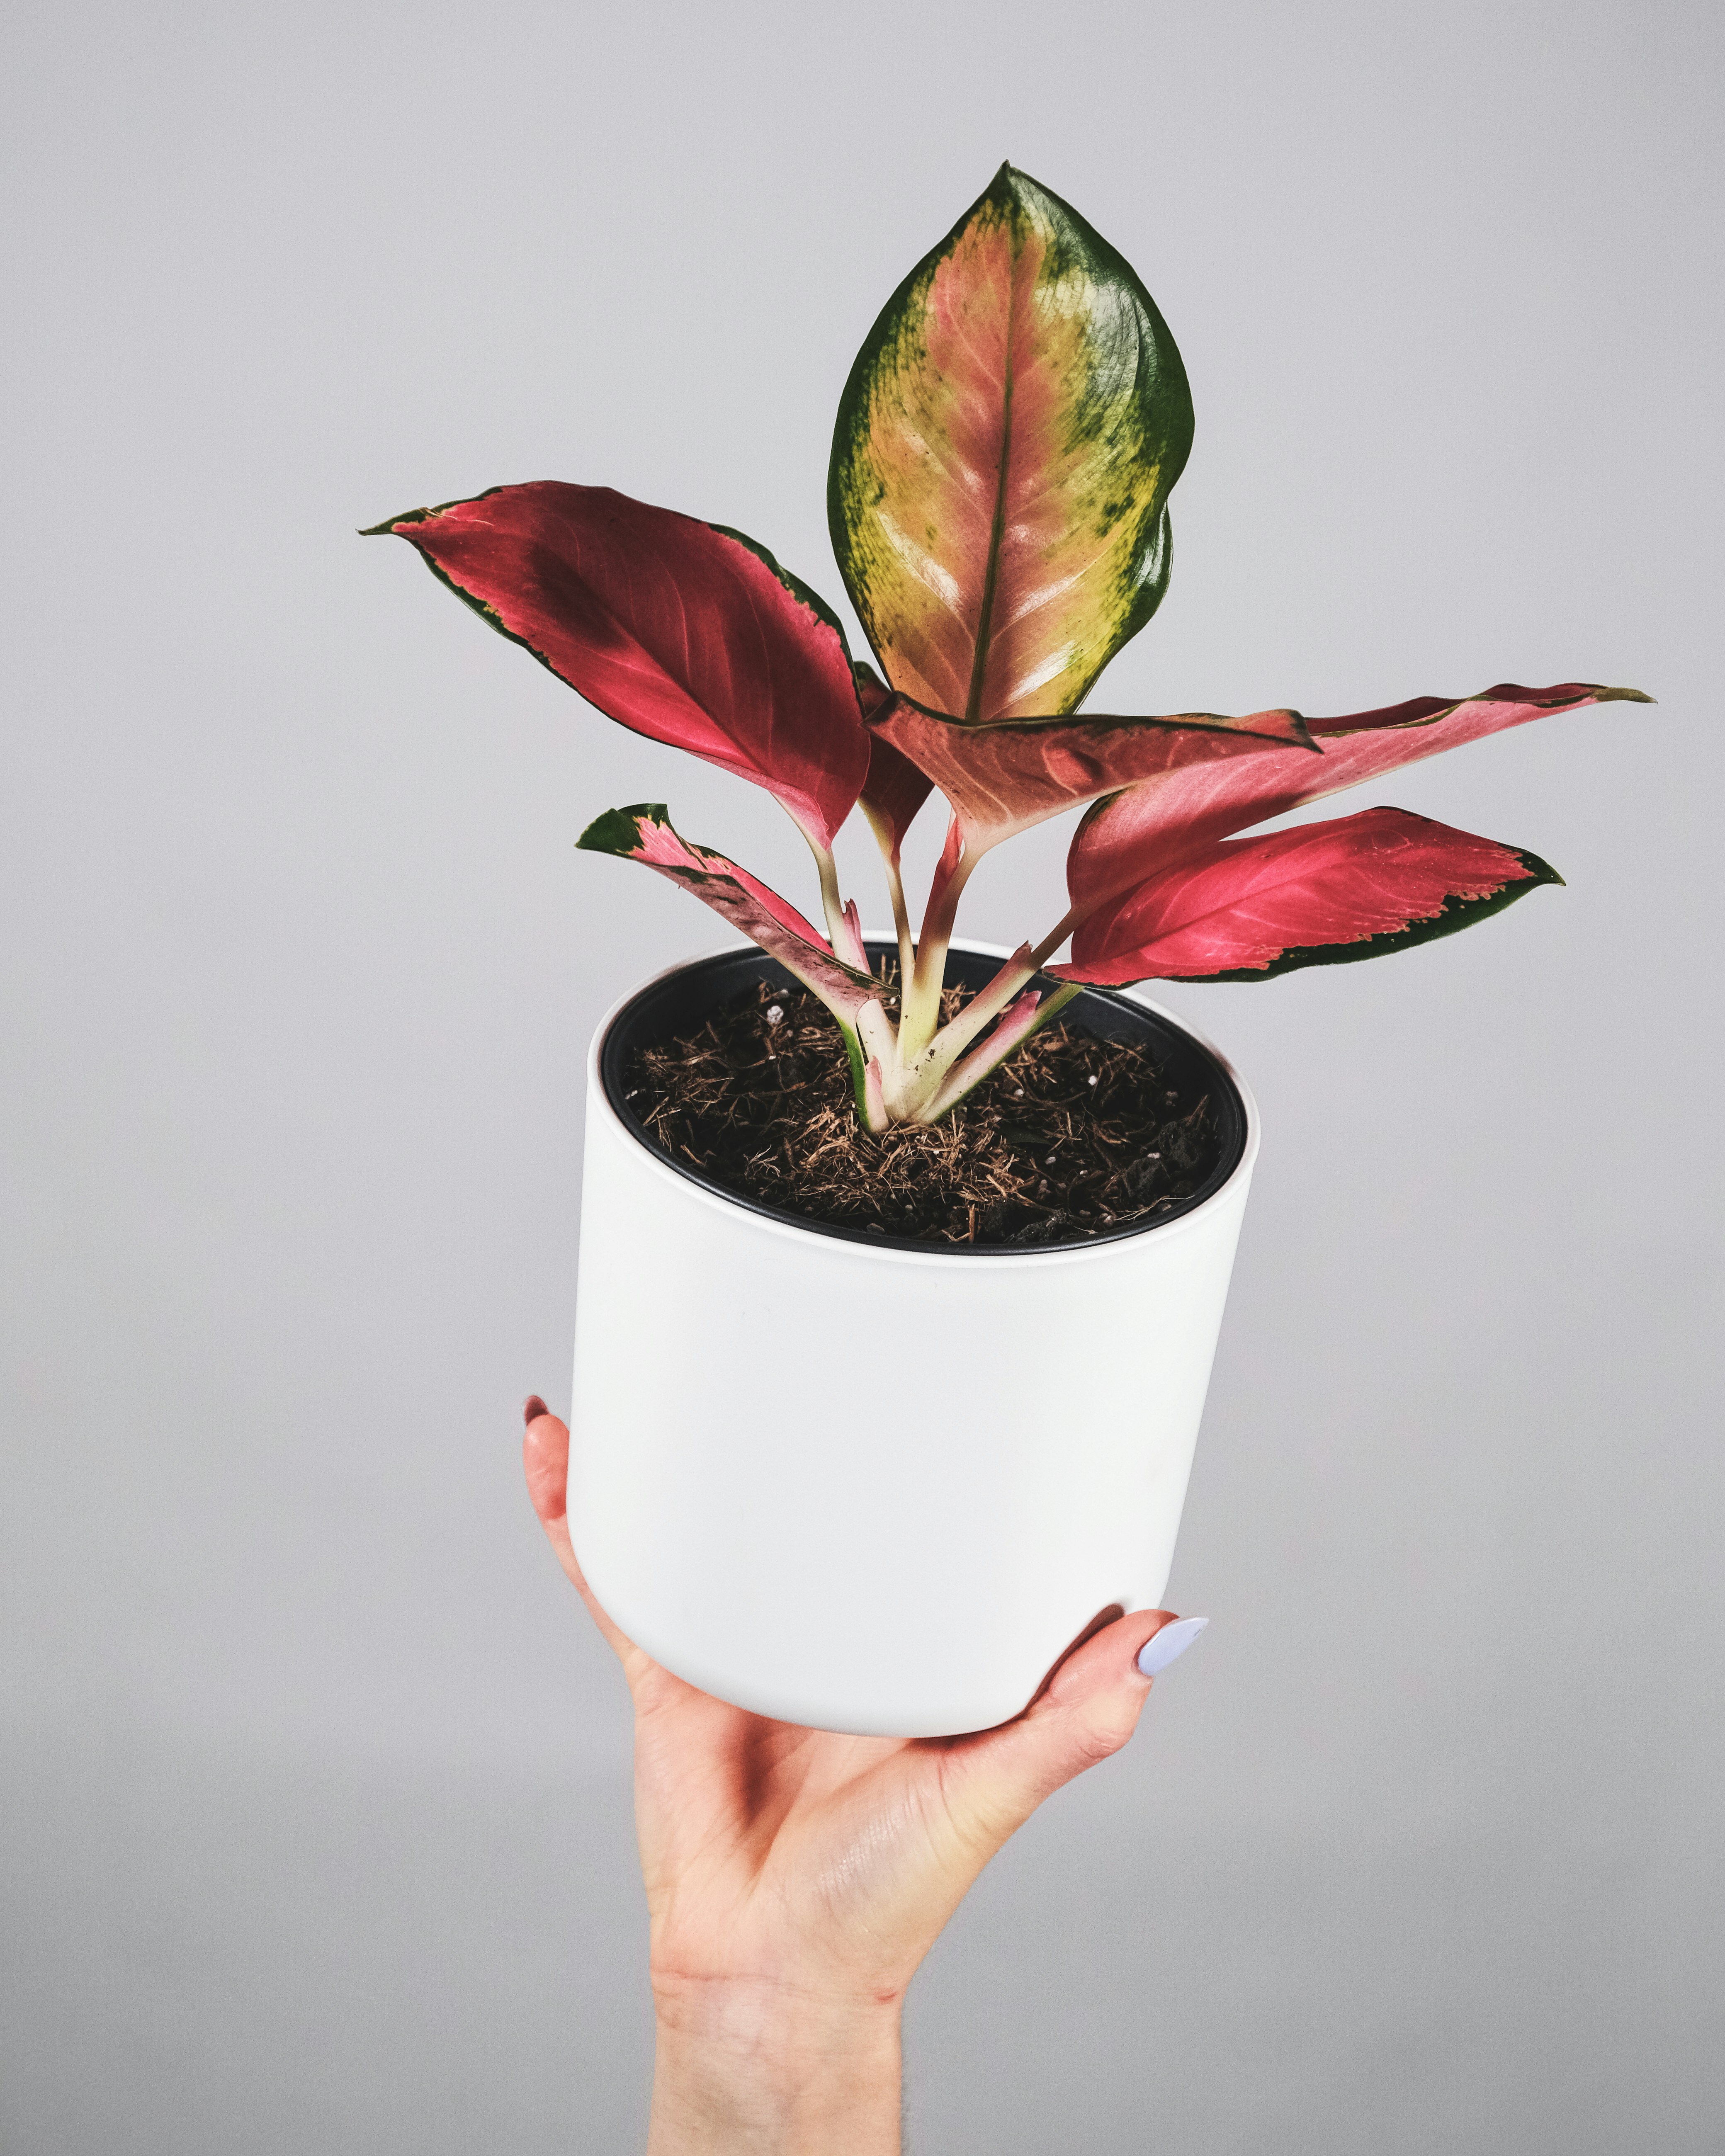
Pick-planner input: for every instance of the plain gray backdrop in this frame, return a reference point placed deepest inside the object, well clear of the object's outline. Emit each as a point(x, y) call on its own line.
point(316, 1783)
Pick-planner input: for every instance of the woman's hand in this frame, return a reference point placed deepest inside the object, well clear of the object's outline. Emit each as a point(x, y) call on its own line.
point(796, 1878)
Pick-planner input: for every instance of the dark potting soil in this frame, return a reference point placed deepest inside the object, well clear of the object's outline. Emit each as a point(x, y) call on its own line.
point(1072, 1136)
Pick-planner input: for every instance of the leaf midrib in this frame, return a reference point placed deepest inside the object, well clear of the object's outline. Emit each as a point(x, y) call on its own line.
point(997, 529)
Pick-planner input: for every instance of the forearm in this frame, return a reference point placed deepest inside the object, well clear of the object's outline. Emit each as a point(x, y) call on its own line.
point(744, 2071)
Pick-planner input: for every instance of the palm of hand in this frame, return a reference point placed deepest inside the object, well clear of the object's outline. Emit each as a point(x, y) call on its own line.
point(777, 1856)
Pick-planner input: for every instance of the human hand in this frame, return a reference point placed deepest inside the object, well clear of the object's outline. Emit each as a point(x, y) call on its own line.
point(796, 1878)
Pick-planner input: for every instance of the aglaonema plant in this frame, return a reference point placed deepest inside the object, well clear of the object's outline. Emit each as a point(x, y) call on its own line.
point(998, 499)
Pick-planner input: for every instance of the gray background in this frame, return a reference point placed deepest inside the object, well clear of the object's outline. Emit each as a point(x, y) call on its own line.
point(315, 1794)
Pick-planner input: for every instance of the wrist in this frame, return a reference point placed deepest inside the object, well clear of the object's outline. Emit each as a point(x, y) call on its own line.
point(773, 2069)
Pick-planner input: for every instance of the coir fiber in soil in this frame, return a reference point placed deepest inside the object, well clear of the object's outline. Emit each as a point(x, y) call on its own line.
point(1072, 1135)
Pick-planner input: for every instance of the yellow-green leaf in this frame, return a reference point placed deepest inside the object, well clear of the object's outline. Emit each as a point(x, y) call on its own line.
point(1004, 448)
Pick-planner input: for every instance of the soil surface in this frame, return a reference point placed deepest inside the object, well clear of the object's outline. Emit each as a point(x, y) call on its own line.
point(1072, 1136)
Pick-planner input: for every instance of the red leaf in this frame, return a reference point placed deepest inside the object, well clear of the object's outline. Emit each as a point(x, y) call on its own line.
point(895, 790)
point(686, 632)
point(1353, 888)
point(872, 691)
point(1005, 775)
point(1164, 818)
point(642, 833)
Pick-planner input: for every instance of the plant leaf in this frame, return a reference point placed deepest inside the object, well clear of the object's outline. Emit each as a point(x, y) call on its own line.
point(1324, 894)
point(1165, 817)
point(643, 834)
point(1004, 776)
point(1001, 464)
point(688, 633)
point(894, 790)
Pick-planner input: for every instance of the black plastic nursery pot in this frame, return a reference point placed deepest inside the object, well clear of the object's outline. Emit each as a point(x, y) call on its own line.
point(676, 1003)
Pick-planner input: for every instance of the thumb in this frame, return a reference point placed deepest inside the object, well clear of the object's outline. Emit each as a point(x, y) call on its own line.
point(1083, 1714)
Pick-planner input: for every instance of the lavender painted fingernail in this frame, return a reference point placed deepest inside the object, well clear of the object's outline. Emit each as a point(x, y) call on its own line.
point(1168, 1645)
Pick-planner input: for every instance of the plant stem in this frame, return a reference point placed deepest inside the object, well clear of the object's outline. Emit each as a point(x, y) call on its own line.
point(831, 904)
point(926, 1074)
point(920, 1010)
point(876, 1050)
point(1058, 934)
point(841, 932)
point(895, 888)
point(954, 1037)
point(977, 1065)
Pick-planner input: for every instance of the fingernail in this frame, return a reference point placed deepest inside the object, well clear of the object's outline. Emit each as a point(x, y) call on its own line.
point(534, 1408)
point(1168, 1645)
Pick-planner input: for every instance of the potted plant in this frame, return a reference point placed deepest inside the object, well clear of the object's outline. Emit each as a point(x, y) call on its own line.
point(898, 1298)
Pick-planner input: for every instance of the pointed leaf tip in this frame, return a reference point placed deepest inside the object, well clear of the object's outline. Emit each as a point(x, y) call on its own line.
point(1184, 810)
point(618, 830)
point(644, 834)
point(686, 632)
point(1320, 895)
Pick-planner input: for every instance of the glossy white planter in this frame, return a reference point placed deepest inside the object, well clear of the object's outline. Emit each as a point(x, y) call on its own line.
point(875, 1489)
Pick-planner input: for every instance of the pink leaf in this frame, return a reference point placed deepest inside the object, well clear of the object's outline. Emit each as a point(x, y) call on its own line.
point(642, 833)
point(895, 790)
point(1356, 887)
point(1005, 775)
point(686, 632)
point(1165, 816)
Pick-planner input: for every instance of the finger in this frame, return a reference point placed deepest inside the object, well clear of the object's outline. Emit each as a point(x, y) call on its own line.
point(544, 1455)
point(1083, 1714)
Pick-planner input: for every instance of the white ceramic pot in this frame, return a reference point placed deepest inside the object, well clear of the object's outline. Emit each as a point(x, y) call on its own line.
point(868, 1488)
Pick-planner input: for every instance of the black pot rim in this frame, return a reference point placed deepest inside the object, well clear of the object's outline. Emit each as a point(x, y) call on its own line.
point(615, 1042)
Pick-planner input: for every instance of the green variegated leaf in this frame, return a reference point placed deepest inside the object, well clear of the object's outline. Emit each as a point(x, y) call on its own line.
point(1001, 464)
point(643, 834)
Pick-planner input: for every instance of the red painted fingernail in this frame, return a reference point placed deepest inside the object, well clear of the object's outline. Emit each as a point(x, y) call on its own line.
point(533, 1409)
